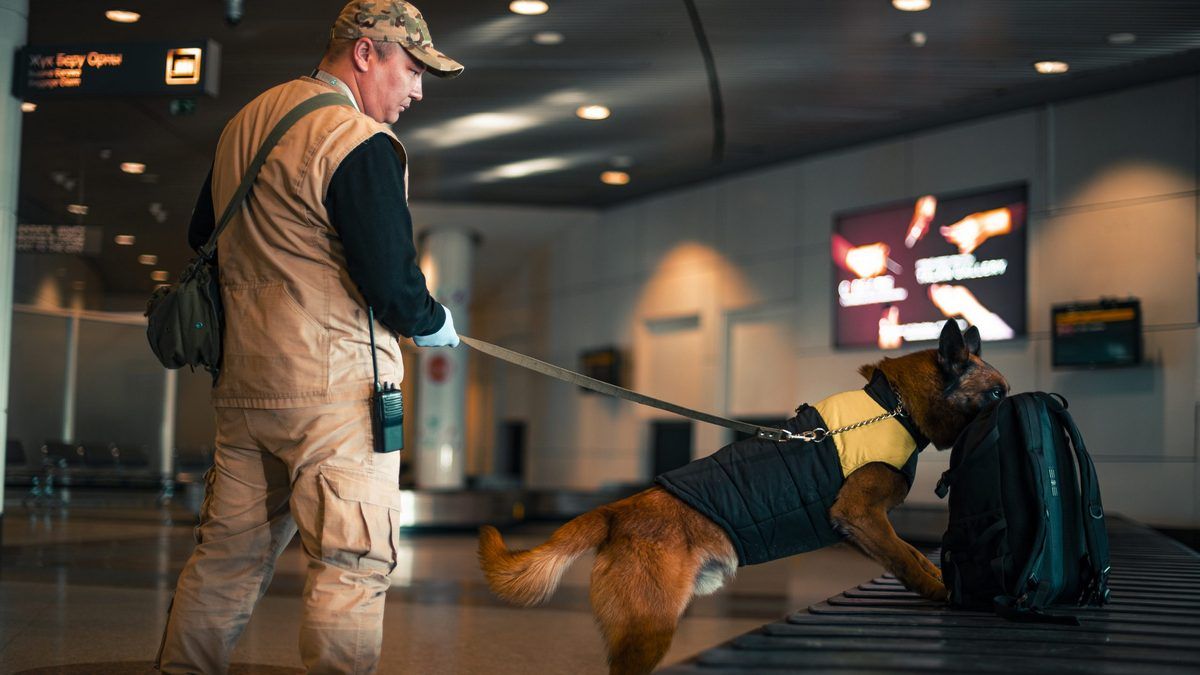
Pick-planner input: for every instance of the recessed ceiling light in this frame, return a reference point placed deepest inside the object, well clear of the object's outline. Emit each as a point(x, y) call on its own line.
point(548, 38)
point(133, 167)
point(125, 239)
point(614, 178)
point(621, 161)
point(148, 259)
point(918, 38)
point(1122, 39)
point(28, 106)
point(911, 5)
point(160, 275)
point(1051, 67)
point(528, 7)
point(77, 209)
point(593, 112)
point(122, 16)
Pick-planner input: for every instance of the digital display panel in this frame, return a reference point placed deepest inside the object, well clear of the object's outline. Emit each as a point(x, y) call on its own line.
point(902, 270)
point(185, 68)
point(602, 364)
point(1104, 333)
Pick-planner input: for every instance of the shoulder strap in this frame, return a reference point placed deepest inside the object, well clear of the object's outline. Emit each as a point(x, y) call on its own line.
point(979, 438)
point(1029, 411)
point(307, 106)
point(1093, 510)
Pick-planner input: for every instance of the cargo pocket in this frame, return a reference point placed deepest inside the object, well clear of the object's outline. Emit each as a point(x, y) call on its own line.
point(273, 347)
point(360, 520)
point(976, 559)
point(210, 477)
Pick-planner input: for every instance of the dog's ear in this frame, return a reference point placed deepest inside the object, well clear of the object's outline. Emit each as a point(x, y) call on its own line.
point(952, 354)
point(974, 343)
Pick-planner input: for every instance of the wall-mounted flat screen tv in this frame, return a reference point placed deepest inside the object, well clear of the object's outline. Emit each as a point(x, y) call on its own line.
point(902, 270)
point(1097, 334)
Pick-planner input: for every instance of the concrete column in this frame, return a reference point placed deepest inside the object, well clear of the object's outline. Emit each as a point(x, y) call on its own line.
point(441, 459)
point(70, 380)
point(14, 19)
point(166, 433)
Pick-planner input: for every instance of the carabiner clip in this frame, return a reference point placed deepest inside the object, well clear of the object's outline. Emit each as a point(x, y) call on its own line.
point(813, 436)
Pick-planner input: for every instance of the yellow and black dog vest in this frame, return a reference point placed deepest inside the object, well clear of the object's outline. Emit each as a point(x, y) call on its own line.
point(773, 498)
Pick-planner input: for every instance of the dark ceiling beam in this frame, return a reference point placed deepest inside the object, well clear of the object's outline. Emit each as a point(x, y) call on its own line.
point(714, 84)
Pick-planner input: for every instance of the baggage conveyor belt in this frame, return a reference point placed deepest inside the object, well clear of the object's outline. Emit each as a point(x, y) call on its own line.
point(1151, 625)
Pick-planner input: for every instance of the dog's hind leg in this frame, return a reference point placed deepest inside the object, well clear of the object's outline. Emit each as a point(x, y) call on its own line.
point(638, 600)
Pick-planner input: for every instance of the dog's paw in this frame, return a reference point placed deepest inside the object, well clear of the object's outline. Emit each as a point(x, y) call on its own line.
point(936, 592)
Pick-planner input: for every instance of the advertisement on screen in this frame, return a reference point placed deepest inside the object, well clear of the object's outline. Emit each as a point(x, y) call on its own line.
point(902, 270)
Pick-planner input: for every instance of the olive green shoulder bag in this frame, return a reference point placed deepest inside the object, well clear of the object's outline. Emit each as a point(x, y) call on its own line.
point(184, 321)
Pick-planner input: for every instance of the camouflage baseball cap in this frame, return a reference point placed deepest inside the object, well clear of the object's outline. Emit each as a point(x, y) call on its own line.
point(394, 21)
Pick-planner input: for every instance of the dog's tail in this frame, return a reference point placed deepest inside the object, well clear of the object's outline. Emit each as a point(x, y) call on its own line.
point(531, 577)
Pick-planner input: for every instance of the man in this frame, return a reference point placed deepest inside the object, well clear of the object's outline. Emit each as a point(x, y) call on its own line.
point(325, 233)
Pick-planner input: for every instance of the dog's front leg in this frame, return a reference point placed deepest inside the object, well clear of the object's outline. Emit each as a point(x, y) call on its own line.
point(860, 514)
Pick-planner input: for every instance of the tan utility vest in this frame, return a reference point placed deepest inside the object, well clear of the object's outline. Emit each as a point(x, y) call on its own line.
point(296, 330)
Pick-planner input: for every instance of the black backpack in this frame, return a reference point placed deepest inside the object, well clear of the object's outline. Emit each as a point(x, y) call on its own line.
point(1026, 526)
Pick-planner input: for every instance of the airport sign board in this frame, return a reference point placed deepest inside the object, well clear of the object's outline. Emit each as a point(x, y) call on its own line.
point(181, 68)
point(69, 239)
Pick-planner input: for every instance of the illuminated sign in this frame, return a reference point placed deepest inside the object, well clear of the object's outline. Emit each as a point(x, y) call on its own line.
point(51, 71)
point(70, 239)
point(1103, 333)
point(603, 364)
point(903, 269)
point(183, 66)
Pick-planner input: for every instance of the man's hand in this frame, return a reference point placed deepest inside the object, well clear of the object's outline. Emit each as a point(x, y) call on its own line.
point(445, 337)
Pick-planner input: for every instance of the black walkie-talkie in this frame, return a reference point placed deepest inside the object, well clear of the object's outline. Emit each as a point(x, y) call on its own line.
point(387, 405)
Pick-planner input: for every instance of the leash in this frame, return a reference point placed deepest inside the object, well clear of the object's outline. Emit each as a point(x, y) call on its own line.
point(765, 433)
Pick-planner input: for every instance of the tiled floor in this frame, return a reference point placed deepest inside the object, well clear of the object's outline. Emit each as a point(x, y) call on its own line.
point(84, 586)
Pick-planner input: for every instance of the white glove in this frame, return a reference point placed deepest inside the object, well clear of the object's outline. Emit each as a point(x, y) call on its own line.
point(445, 337)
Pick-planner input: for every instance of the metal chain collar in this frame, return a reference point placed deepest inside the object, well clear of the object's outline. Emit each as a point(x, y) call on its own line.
point(819, 434)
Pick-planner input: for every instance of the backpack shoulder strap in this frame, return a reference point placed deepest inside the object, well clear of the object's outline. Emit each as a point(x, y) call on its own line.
point(979, 440)
point(281, 127)
point(1093, 510)
point(1030, 413)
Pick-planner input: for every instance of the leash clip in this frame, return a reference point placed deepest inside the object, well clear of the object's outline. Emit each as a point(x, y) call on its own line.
point(783, 435)
point(814, 435)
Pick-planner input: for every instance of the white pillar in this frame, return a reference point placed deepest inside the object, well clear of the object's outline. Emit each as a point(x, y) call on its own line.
point(70, 380)
point(446, 260)
point(14, 19)
point(166, 432)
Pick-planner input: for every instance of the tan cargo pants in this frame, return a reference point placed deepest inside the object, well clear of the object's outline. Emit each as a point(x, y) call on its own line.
point(277, 471)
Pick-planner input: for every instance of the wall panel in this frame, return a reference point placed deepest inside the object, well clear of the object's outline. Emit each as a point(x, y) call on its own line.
point(1113, 187)
point(1131, 144)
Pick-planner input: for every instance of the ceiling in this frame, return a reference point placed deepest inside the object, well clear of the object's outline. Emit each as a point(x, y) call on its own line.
point(788, 77)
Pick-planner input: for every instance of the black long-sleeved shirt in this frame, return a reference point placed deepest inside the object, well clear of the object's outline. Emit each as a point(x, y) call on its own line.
point(367, 207)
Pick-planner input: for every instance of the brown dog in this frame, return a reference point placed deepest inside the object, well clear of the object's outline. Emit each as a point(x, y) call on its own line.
point(659, 548)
